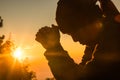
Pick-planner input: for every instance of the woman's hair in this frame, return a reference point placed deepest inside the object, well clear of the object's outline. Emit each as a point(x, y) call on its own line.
point(73, 14)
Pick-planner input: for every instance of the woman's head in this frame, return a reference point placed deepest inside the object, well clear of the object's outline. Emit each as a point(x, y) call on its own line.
point(77, 15)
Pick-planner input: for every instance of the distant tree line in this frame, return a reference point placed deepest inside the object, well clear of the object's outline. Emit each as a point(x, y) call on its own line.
point(11, 68)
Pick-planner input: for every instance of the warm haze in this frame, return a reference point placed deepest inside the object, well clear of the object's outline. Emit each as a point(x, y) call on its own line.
point(23, 18)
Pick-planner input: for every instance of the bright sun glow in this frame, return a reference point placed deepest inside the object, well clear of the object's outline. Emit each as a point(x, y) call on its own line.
point(18, 53)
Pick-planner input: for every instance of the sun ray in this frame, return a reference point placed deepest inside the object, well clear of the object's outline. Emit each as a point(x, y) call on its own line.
point(18, 53)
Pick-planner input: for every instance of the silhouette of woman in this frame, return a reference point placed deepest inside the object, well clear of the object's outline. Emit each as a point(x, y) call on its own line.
point(95, 27)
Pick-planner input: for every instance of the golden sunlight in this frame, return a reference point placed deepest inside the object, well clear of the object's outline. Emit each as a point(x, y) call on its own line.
point(18, 53)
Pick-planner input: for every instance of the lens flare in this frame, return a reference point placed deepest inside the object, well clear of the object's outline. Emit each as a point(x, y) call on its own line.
point(18, 53)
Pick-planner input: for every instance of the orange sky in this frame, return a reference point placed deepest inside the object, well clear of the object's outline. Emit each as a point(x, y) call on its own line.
point(23, 18)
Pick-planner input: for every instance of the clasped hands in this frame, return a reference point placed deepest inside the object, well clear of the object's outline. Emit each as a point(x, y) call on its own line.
point(49, 37)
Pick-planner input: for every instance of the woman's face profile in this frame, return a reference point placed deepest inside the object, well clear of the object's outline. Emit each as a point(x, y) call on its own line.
point(87, 33)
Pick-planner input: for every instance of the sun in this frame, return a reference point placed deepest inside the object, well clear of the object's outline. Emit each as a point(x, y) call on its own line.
point(18, 53)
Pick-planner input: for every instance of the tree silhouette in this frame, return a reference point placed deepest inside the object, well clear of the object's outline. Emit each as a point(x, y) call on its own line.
point(1, 22)
point(27, 74)
point(11, 68)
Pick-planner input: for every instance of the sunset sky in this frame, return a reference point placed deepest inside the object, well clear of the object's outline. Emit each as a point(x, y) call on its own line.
point(23, 18)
